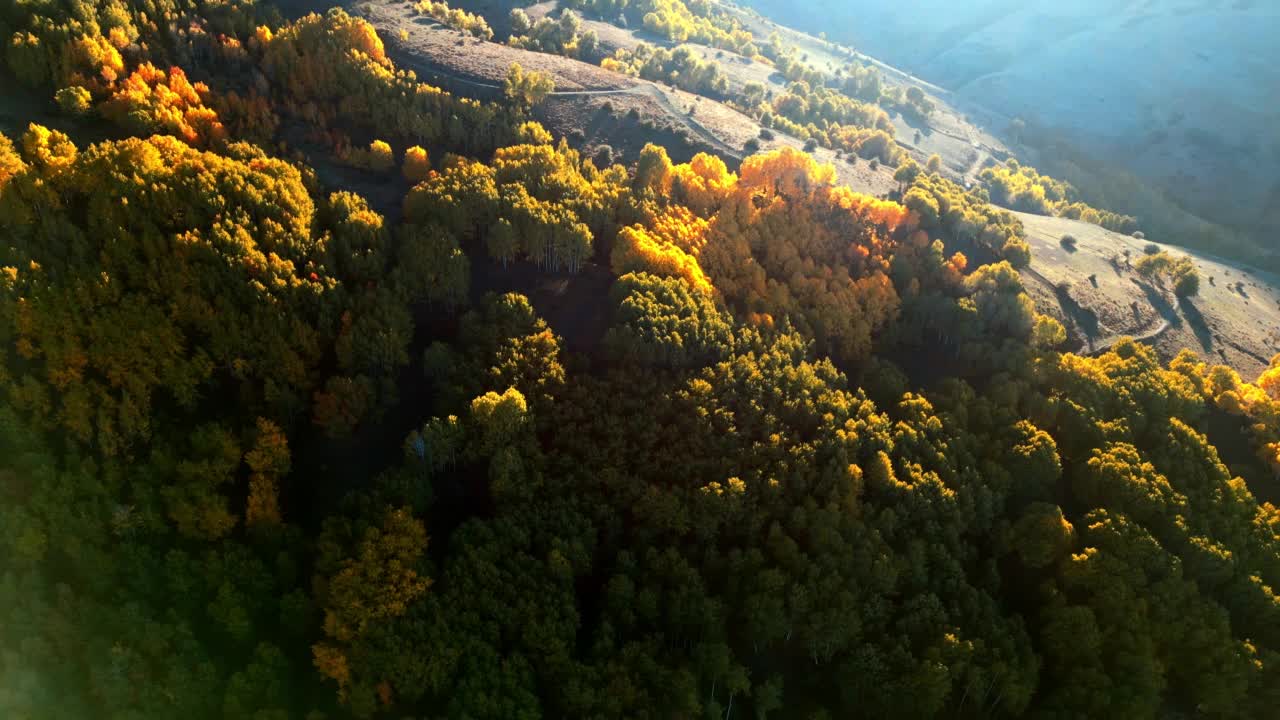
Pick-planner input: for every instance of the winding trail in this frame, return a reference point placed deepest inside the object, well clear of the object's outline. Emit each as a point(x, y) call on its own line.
point(970, 176)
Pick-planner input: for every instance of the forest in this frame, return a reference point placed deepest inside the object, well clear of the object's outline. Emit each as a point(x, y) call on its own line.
point(270, 451)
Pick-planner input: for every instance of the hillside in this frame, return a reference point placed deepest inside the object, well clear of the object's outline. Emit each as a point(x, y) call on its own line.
point(475, 361)
point(473, 67)
point(592, 103)
point(1235, 318)
point(1142, 84)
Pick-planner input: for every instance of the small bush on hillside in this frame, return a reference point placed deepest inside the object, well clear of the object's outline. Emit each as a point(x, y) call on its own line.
point(1186, 281)
point(1017, 252)
point(766, 134)
point(875, 163)
point(752, 146)
point(633, 114)
point(1068, 242)
point(810, 145)
point(604, 156)
point(1151, 249)
point(1139, 235)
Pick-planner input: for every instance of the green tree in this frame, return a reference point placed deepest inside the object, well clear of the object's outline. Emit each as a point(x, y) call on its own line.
point(665, 322)
point(499, 417)
point(526, 88)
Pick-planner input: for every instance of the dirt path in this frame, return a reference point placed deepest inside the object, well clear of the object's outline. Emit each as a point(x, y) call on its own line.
point(698, 128)
point(970, 175)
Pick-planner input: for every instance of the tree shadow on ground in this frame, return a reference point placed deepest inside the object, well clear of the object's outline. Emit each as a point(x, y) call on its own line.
point(1161, 304)
point(1197, 322)
point(1082, 317)
point(915, 122)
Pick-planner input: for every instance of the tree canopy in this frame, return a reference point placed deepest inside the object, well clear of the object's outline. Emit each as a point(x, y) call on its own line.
point(745, 441)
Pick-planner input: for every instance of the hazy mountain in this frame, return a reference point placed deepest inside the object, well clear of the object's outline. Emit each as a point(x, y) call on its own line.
point(1184, 92)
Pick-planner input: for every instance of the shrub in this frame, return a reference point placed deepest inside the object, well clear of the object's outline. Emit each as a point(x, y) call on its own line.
point(1017, 252)
point(604, 156)
point(752, 146)
point(1139, 235)
point(74, 100)
point(1186, 282)
point(875, 163)
point(1151, 249)
point(810, 145)
point(532, 133)
point(766, 134)
point(633, 114)
point(1068, 242)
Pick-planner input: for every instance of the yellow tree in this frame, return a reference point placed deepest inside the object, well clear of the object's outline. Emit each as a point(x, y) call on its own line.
point(268, 462)
point(526, 88)
point(416, 164)
point(375, 585)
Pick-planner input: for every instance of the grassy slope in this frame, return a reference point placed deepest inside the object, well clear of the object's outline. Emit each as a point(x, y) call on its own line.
point(1222, 324)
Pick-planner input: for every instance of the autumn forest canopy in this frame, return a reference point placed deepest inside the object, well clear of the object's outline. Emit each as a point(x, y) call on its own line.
point(777, 449)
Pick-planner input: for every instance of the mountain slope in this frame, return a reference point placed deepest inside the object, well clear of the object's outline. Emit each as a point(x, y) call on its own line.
point(1142, 82)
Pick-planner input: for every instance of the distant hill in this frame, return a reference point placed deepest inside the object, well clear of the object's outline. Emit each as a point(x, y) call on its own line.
point(1139, 81)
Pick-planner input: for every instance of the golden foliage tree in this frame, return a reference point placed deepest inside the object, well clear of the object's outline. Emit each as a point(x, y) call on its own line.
point(169, 285)
point(416, 164)
point(375, 585)
point(155, 100)
point(268, 463)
